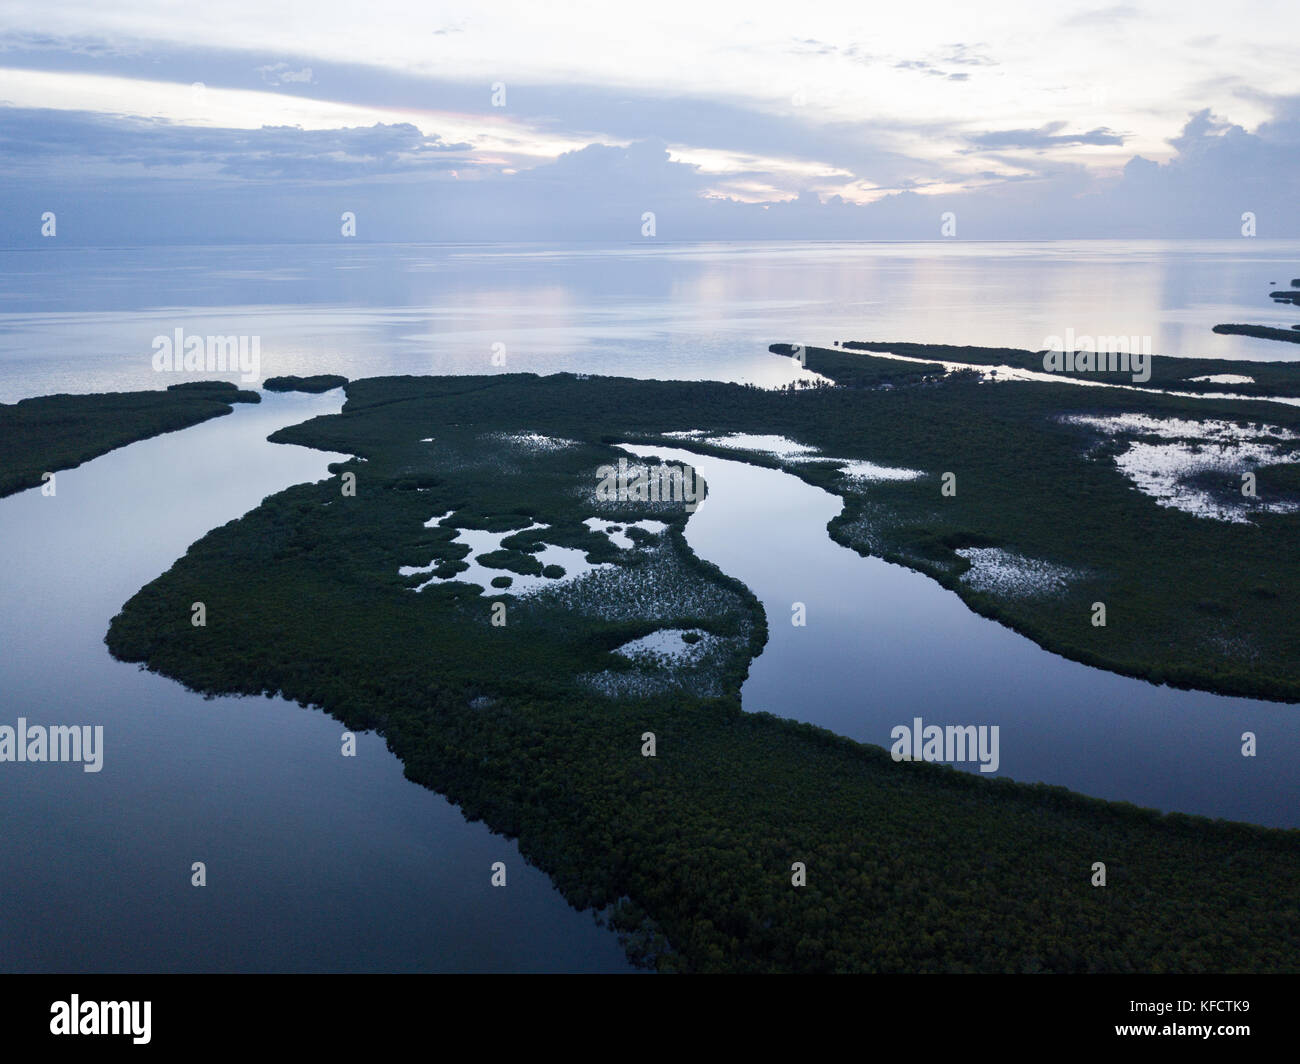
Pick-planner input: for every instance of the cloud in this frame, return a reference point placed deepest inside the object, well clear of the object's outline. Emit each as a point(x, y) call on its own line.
point(962, 55)
point(1101, 16)
point(281, 74)
point(922, 66)
point(951, 55)
point(54, 142)
point(1048, 136)
point(733, 171)
point(854, 53)
point(81, 46)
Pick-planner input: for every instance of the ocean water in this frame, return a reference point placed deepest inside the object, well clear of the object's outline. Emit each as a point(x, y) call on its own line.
point(85, 320)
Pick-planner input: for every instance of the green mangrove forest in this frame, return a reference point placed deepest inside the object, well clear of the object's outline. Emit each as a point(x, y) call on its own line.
point(348, 594)
point(54, 432)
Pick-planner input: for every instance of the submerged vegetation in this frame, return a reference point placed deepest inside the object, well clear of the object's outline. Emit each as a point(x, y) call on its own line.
point(54, 432)
point(519, 706)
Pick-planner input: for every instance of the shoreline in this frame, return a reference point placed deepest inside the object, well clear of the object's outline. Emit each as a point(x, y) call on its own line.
point(500, 721)
point(51, 433)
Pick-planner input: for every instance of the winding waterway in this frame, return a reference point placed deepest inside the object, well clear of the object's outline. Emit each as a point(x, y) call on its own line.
point(319, 862)
point(314, 861)
point(883, 645)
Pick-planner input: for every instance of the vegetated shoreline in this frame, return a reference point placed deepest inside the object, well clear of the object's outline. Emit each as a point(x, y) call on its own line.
point(982, 604)
point(1261, 332)
point(100, 419)
point(320, 382)
point(1168, 372)
point(692, 848)
point(1271, 379)
point(1269, 332)
point(51, 433)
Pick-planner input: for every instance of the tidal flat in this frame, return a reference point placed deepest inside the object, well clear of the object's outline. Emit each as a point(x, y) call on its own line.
point(526, 710)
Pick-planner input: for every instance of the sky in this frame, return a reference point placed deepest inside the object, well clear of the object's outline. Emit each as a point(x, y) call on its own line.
point(146, 122)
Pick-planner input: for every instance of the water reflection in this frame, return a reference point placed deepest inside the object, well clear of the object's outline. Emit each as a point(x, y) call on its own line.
point(76, 320)
point(884, 644)
point(314, 861)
